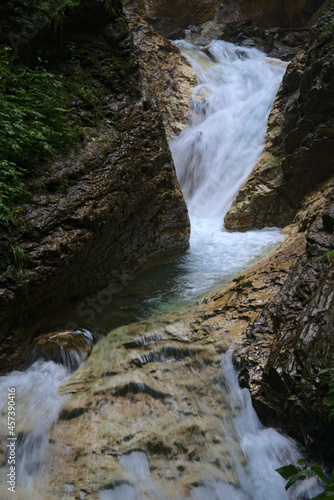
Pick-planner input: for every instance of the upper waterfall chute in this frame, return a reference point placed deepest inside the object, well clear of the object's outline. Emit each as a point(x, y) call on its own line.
point(231, 105)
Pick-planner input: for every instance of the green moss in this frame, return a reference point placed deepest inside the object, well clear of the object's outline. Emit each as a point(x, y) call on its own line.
point(64, 186)
point(325, 35)
point(54, 7)
point(327, 31)
point(242, 286)
point(33, 127)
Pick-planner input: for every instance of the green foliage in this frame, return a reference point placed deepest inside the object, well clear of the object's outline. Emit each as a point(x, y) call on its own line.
point(54, 6)
point(19, 263)
point(79, 83)
point(33, 127)
point(327, 31)
point(293, 473)
point(64, 186)
point(31, 117)
point(12, 189)
point(331, 389)
point(329, 254)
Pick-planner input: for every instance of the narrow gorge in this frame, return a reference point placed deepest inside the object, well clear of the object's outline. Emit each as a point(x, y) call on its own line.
point(167, 278)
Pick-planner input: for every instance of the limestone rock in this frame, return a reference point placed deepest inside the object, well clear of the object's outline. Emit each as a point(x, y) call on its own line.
point(115, 200)
point(68, 347)
point(258, 204)
point(168, 76)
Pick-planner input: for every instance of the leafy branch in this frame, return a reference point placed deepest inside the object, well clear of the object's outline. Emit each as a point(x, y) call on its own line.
point(293, 473)
point(18, 267)
point(329, 254)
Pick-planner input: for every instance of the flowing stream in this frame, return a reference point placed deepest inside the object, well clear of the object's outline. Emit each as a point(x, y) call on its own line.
point(213, 157)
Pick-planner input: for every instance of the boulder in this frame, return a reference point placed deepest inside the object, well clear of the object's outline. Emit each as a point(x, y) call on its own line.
point(66, 347)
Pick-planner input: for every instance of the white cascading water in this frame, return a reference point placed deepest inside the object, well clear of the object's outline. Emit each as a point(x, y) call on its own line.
point(37, 405)
point(232, 102)
point(263, 450)
point(213, 157)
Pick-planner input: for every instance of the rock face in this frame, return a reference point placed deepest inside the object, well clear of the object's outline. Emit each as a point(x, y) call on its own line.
point(168, 75)
point(168, 16)
point(299, 147)
point(308, 122)
point(258, 204)
point(286, 385)
point(115, 200)
point(281, 43)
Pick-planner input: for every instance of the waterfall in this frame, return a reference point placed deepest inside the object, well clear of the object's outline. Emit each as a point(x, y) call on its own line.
point(231, 105)
point(216, 153)
point(213, 157)
point(37, 404)
point(254, 452)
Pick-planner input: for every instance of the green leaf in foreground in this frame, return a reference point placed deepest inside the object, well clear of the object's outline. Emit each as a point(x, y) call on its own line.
point(293, 473)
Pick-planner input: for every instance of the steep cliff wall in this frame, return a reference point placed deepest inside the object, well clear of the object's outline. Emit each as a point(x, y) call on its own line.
point(168, 16)
point(297, 328)
point(113, 206)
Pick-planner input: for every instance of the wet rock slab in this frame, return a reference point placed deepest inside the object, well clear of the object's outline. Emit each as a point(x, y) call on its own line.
point(155, 387)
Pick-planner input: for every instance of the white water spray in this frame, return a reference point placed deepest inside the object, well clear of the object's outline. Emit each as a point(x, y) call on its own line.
point(231, 106)
point(37, 404)
point(262, 451)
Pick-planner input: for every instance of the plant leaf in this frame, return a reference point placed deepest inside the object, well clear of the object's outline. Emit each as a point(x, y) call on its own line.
point(288, 471)
point(319, 472)
point(300, 475)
